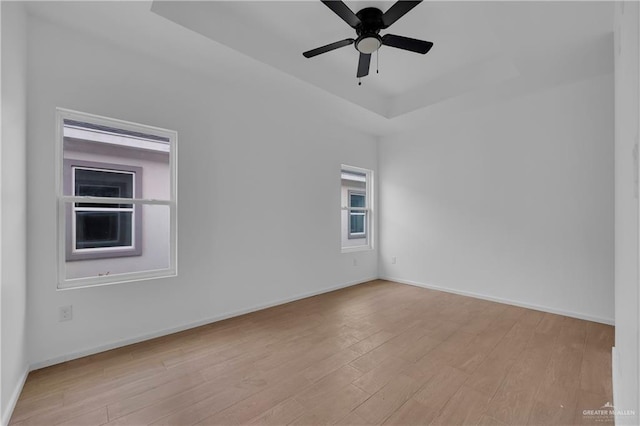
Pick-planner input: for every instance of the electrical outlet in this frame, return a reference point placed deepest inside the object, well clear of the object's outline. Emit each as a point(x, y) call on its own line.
point(393, 260)
point(355, 262)
point(65, 313)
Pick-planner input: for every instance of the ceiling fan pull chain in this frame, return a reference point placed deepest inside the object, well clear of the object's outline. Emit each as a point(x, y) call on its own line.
point(359, 81)
point(378, 61)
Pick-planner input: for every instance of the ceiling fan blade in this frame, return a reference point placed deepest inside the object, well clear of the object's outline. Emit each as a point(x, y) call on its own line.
point(406, 43)
point(343, 11)
point(363, 65)
point(329, 47)
point(397, 11)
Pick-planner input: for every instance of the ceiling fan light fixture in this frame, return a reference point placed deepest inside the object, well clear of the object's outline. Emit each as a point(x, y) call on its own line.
point(368, 43)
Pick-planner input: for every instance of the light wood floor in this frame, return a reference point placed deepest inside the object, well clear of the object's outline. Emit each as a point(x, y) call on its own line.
point(375, 353)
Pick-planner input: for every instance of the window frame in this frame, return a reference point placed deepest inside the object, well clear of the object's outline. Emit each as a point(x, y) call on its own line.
point(355, 211)
point(72, 252)
point(369, 237)
point(63, 201)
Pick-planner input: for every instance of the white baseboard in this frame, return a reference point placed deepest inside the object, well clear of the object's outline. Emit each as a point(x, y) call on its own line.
point(164, 332)
point(6, 416)
point(608, 321)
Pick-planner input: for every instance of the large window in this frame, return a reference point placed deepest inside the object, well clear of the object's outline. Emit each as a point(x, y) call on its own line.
point(357, 213)
point(117, 201)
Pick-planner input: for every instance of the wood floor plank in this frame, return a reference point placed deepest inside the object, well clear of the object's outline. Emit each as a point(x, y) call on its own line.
point(466, 407)
point(594, 376)
point(419, 348)
point(413, 413)
point(554, 404)
point(61, 415)
point(514, 400)
point(561, 412)
point(375, 353)
point(333, 382)
point(370, 360)
point(599, 336)
point(441, 387)
point(330, 364)
point(489, 421)
point(478, 324)
point(383, 403)
point(531, 317)
point(527, 371)
point(457, 341)
point(194, 413)
point(26, 408)
point(281, 414)
point(124, 387)
point(334, 407)
point(573, 333)
point(512, 406)
point(167, 406)
point(564, 366)
point(122, 407)
point(258, 403)
point(376, 378)
point(352, 419)
point(372, 342)
point(92, 418)
point(469, 357)
point(550, 324)
point(491, 373)
point(43, 386)
point(442, 329)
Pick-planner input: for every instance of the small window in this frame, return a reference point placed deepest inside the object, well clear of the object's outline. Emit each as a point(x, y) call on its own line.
point(357, 217)
point(100, 230)
point(356, 208)
point(117, 201)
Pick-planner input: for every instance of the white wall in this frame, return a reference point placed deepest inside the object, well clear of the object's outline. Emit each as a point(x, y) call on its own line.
point(13, 225)
point(513, 201)
point(258, 198)
point(625, 372)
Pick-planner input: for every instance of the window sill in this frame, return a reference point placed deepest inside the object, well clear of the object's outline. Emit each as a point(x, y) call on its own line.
point(115, 279)
point(356, 248)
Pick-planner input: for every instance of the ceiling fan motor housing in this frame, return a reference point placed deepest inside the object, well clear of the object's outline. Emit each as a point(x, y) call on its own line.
point(368, 40)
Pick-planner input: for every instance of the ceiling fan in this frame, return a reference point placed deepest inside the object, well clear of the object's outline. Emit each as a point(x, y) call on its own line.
point(368, 22)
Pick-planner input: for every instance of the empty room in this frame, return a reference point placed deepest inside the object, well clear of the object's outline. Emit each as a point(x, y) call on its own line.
point(319, 212)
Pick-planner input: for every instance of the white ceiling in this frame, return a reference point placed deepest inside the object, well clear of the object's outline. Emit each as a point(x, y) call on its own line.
point(483, 51)
point(476, 44)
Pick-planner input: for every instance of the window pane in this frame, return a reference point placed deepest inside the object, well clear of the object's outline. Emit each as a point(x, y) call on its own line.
point(98, 190)
point(356, 225)
point(357, 200)
point(106, 235)
point(103, 229)
point(102, 183)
